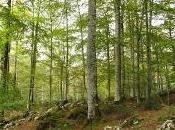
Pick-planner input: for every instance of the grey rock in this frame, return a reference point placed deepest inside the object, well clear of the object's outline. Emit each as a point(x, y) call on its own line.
point(167, 125)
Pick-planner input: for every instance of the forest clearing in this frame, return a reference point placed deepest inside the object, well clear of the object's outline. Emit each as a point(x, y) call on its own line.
point(87, 64)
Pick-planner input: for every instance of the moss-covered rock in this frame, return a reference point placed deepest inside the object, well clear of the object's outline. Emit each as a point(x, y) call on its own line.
point(52, 111)
point(77, 113)
point(53, 119)
point(53, 122)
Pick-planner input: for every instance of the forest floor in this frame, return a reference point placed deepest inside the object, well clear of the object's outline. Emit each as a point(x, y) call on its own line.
point(120, 115)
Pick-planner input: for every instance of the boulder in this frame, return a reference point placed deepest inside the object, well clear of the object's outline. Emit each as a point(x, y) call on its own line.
point(167, 125)
point(9, 125)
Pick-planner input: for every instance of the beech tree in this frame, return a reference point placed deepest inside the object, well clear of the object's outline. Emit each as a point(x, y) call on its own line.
point(91, 62)
point(118, 49)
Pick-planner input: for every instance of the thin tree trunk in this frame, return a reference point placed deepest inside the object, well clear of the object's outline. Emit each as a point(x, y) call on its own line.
point(67, 52)
point(132, 57)
point(82, 52)
point(138, 36)
point(62, 75)
point(108, 63)
point(61, 81)
point(15, 69)
point(122, 51)
point(33, 60)
point(148, 48)
point(168, 84)
point(51, 59)
point(158, 71)
point(133, 70)
point(118, 57)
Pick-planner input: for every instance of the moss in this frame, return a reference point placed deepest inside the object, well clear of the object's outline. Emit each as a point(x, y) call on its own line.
point(121, 111)
point(77, 113)
point(53, 122)
point(55, 111)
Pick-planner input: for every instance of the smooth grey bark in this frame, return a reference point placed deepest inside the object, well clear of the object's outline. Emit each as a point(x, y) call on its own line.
point(91, 62)
point(118, 57)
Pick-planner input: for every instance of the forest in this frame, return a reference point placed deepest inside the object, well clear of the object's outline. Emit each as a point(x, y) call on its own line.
point(87, 64)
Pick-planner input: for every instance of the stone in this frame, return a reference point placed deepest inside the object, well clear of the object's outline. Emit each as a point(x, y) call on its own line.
point(9, 125)
point(167, 125)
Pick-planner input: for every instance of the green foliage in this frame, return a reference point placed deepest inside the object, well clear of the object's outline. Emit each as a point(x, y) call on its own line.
point(15, 105)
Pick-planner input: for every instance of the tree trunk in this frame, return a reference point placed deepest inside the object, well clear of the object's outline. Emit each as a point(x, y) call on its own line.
point(5, 59)
point(33, 60)
point(61, 82)
point(138, 38)
point(148, 49)
point(118, 57)
point(108, 63)
point(51, 59)
point(122, 51)
point(132, 57)
point(82, 52)
point(67, 52)
point(62, 75)
point(16, 62)
point(91, 62)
